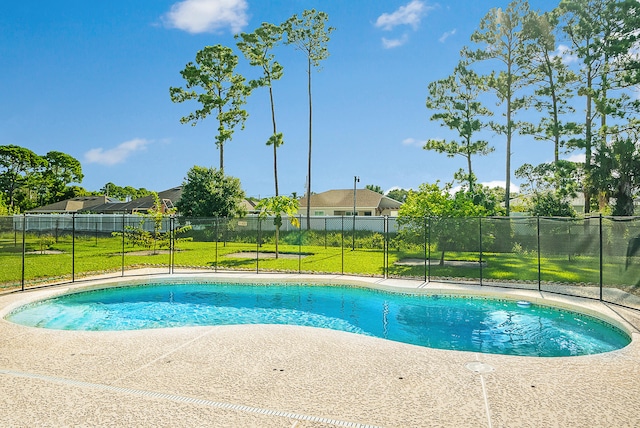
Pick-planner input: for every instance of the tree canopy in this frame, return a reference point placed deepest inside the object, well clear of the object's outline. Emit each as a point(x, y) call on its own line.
point(455, 100)
point(538, 66)
point(28, 179)
point(399, 195)
point(502, 41)
point(124, 193)
point(437, 211)
point(258, 47)
point(277, 206)
point(374, 188)
point(223, 92)
point(207, 192)
point(550, 187)
point(310, 34)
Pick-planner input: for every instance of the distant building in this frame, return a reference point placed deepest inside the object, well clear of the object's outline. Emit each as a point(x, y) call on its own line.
point(105, 205)
point(74, 205)
point(168, 199)
point(340, 202)
point(250, 206)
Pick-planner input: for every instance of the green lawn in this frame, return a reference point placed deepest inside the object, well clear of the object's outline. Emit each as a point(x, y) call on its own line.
point(104, 254)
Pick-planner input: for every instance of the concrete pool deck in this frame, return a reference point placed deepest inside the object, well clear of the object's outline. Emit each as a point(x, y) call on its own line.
point(288, 376)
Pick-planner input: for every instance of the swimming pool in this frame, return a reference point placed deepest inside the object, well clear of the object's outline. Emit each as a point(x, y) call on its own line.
point(464, 323)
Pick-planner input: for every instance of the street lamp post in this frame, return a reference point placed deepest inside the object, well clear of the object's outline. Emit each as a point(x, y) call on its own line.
point(356, 179)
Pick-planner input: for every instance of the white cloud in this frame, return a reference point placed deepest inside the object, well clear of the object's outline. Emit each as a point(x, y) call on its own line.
point(207, 16)
point(564, 52)
point(394, 43)
point(502, 184)
point(446, 35)
point(392, 188)
point(118, 154)
point(579, 158)
point(413, 142)
point(410, 14)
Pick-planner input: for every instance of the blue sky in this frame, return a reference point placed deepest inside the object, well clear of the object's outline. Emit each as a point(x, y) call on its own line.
point(92, 79)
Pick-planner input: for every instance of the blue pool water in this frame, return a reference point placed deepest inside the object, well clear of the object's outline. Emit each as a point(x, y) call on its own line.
point(445, 322)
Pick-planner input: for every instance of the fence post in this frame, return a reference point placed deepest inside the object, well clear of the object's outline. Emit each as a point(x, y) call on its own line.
point(539, 277)
point(325, 233)
point(342, 245)
point(601, 257)
point(215, 266)
point(258, 246)
point(224, 232)
point(385, 247)
point(429, 254)
point(426, 249)
point(123, 230)
point(353, 233)
point(73, 247)
point(300, 242)
point(24, 245)
point(171, 243)
point(480, 245)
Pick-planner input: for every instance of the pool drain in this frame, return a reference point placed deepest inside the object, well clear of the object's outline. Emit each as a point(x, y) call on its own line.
point(478, 367)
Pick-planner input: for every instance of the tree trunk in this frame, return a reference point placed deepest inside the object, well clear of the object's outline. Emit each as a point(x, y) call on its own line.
point(507, 190)
point(221, 141)
point(554, 108)
point(275, 145)
point(222, 158)
point(587, 146)
point(309, 158)
point(470, 171)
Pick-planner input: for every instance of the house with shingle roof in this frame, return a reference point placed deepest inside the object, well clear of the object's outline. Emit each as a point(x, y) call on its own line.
point(250, 206)
point(340, 202)
point(101, 204)
point(104, 205)
point(74, 205)
point(168, 199)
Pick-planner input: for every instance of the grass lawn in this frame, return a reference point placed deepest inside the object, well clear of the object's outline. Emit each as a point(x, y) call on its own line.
point(96, 255)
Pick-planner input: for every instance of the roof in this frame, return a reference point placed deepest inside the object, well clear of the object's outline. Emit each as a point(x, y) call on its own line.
point(104, 205)
point(343, 198)
point(249, 205)
point(74, 204)
point(169, 197)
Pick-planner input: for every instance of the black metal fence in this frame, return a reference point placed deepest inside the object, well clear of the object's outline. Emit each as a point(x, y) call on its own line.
point(595, 257)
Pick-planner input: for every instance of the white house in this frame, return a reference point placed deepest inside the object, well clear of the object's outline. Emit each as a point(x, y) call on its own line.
point(341, 202)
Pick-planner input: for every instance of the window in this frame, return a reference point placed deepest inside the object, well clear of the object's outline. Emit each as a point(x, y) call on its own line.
point(317, 213)
point(367, 213)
